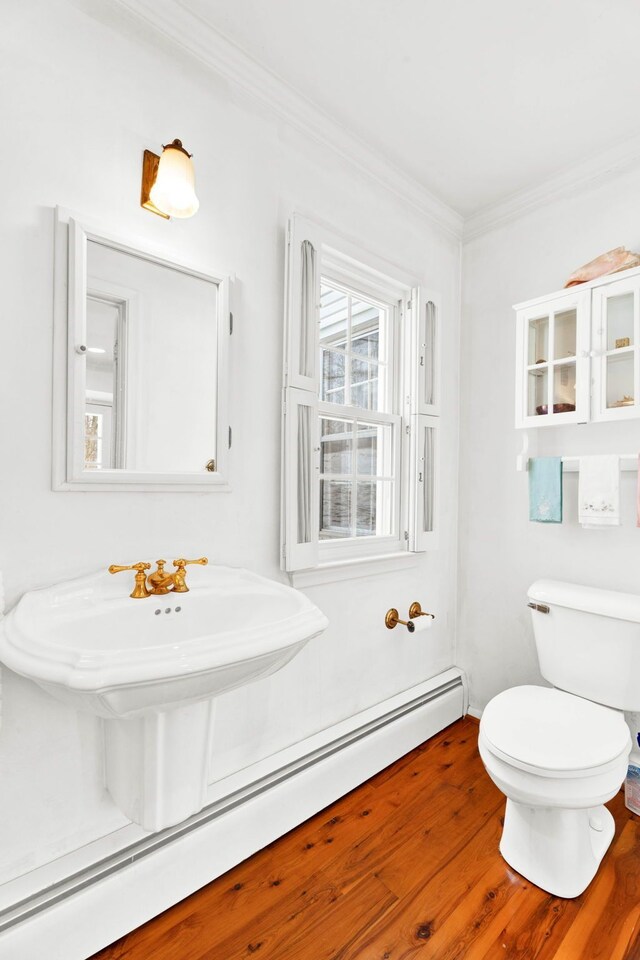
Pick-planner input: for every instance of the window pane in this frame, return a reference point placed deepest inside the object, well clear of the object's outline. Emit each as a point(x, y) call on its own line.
point(564, 334)
point(374, 449)
point(564, 387)
point(335, 509)
point(373, 508)
point(620, 388)
point(92, 441)
point(619, 321)
point(364, 384)
point(333, 316)
point(332, 388)
point(538, 392)
point(365, 329)
point(336, 446)
point(539, 340)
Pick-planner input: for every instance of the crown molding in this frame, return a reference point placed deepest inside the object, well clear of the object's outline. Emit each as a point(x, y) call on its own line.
point(572, 180)
point(196, 36)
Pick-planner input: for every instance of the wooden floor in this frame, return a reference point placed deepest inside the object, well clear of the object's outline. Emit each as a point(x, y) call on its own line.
point(407, 865)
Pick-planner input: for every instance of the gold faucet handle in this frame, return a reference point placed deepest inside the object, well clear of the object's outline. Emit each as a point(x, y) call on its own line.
point(140, 589)
point(181, 564)
point(114, 568)
point(180, 576)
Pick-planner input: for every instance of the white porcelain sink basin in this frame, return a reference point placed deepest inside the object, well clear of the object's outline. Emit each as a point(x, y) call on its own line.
point(88, 643)
point(151, 668)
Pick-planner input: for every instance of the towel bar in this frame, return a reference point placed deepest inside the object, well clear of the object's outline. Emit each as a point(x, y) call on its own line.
point(628, 463)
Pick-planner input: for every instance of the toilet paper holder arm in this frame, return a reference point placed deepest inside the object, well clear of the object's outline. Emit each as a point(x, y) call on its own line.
point(392, 619)
point(415, 610)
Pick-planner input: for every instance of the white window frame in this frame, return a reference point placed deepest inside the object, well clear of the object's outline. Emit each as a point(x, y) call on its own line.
point(354, 547)
point(347, 266)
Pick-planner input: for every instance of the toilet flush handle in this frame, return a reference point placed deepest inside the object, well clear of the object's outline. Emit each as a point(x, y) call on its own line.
point(540, 607)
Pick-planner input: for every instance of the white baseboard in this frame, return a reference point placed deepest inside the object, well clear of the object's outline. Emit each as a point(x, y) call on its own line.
point(128, 889)
point(474, 712)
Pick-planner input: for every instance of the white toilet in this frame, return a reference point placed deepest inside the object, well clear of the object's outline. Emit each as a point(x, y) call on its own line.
point(558, 754)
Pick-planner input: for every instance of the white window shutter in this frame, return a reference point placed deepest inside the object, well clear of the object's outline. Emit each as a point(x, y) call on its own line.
point(423, 498)
point(425, 352)
point(302, 305)
point(301, 461)
point(301, 487)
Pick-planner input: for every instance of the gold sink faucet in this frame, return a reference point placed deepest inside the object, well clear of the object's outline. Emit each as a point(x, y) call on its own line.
point(140, 589)
point(159, 582)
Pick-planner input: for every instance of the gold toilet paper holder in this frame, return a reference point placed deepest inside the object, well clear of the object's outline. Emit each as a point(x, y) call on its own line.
point(392, 617)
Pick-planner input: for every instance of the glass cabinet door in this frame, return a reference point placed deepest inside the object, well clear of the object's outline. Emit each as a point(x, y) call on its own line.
point(551, 344)
point(616, 353)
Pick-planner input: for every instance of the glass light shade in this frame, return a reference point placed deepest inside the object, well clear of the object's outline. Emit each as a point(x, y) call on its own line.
point(174, 189)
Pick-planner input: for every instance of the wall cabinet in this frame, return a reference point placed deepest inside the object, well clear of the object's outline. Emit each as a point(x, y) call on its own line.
point(578, 355)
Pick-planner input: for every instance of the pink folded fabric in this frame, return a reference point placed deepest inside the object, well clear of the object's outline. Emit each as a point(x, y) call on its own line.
point(611, 262)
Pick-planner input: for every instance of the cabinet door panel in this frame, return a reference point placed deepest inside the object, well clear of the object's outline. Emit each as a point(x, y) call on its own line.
point(616, 353)
point(553, 362)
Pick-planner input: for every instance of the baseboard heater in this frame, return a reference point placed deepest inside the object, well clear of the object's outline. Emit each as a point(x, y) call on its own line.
point(104, 901)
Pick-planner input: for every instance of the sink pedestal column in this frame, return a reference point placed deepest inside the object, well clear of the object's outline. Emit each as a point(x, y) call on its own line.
point(157, 765)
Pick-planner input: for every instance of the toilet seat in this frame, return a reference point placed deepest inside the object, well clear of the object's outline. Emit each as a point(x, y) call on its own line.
point(549, 733)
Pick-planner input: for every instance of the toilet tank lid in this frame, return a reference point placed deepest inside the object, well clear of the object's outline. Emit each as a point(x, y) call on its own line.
point(605, 603)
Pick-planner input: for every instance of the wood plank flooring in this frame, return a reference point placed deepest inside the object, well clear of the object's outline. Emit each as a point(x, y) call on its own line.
point(405, 866)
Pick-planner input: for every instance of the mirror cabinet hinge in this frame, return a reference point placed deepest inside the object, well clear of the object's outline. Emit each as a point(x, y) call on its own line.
point(230, 323)
point(406, 534)
point(230, 437)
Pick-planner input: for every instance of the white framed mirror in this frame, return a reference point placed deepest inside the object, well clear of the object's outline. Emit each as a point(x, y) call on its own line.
point(141, 346)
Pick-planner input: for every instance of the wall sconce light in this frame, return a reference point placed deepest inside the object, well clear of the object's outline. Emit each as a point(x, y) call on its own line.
point(168, 182)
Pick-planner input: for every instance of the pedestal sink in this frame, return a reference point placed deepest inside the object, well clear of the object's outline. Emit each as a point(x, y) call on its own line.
point(151, 668)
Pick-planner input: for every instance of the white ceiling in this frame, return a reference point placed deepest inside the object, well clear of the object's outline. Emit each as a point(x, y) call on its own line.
point(475, 101)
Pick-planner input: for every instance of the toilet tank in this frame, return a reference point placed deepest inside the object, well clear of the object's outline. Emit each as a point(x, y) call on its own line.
point(589, 641)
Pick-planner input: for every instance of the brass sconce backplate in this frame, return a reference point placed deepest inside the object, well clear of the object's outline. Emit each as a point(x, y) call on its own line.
point(149, 172)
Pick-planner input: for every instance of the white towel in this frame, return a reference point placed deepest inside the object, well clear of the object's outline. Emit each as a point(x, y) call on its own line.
point(599, 491)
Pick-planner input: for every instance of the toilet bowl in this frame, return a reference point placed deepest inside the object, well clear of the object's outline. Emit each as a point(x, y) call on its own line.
point(560, 753)
point(558, 759)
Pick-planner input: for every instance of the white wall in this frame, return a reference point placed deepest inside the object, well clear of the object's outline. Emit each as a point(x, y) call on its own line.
point(501, 552)
point(84, 94)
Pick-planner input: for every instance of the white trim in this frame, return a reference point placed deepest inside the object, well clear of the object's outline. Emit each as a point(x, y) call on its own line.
point(197, 36)
point(573, 179)
point(186, 30)
point(354, 568)
point(102, 911)
point(474, 712)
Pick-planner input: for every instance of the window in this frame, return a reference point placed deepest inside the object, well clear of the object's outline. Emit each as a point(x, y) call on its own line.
point(93, 437)
point(360, 411)
point(359, 426)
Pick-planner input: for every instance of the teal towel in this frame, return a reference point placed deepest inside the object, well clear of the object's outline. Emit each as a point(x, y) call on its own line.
point(545, 489)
